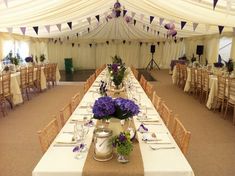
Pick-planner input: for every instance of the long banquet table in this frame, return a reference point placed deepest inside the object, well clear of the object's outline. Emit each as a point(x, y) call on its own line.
point(59, 160)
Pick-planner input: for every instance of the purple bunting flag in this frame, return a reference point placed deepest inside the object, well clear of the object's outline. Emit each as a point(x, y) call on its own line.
point(59, 27)
point(151, 19)
point(183, 23)
point(124, 12)
point(98, 18)
point(221, 28)
point(70, 25)
point(133, 14)
point(89, 20)
point(35, 28)
point(214, 3)
point(23, 30)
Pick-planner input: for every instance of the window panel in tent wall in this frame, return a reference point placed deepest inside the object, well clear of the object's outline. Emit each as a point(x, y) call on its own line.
point(212, 49)
point(225, 44)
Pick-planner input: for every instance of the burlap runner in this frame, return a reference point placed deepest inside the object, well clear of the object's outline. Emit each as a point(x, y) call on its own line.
point(113, 167)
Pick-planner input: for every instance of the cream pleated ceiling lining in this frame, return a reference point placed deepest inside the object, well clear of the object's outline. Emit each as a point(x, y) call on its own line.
point(29, 13)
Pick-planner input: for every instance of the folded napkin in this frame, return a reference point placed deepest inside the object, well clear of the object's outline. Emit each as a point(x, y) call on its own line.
point(142, 129)
point(65, 138)
point(156, 138)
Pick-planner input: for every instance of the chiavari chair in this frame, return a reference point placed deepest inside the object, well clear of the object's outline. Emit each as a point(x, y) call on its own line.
point(156, 101)
point(65, 113)
point(143, 82)
point(30, 79)
point(149, 90)
point(231, 97)
point(199, 83)
point(48, 134)
point(178, 74)
point(183, 75)
point(181, 135)
point(86, 86)
point(166, 114)
point(75, 101)
point(53, 74)
point(24, 81)
point(193, 80)
point(6, 95)
point(205, 84)
point(220, 97)
point(37, 81)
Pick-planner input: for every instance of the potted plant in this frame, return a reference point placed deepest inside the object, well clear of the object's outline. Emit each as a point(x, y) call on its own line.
point(42, 58)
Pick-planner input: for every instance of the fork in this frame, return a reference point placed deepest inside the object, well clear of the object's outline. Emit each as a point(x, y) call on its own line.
point(158, 148)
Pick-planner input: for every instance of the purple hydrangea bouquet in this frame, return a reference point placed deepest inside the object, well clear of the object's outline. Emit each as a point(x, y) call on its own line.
point(120, 108)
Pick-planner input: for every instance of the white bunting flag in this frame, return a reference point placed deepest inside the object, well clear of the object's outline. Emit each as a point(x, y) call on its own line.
point(89, 20)
point(161, 21)
point(6, 2)
point(195, 26)
point(141, 17)
point(59, 27)
point(48, 28)
point(207, 26)
point(23, 30)
point(133, 14)
point(10, 29)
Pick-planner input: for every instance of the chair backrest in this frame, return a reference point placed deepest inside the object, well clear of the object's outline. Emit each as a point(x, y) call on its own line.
point(149, 90)
point(30, 73)
point(23, 77)
point(205, 80)
point(38, 72)
point(181, 136)
point(193, 77)
point(199, 78)
point(53, 71)
point(165, 113)
point(143, 82)
point(65, 113)
point(86, 86)
point(6, 84)
point(231, 88)
point(156, 101)
point(221, 86)
point(75, 101)
point(48, 134)
point(183, 69)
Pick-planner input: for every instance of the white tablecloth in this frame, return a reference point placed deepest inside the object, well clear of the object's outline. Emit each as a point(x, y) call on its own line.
point(60, 161)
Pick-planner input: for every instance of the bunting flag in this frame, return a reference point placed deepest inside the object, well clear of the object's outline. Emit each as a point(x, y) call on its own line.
point(161, 21)
point(151, 19)
point(134, 22)
point(183, 23)
point(124, 12)
point(220, 29)
point(141, 17)
point(207, 26)
point(72, 44)
point(154, 32)
point(233, 30)
point(147, 28)
point(98, 18)
point(89, 20)
point(158, 32)
point(48, 28)
point(59, 27)
point(23, 30)
point(158, 43)
point(35, 28)
point(70, 25)
point(6, 3)
point(88, 29)
point(133, 14)
point(10, 30)
point(214, 3)
point(195, 26)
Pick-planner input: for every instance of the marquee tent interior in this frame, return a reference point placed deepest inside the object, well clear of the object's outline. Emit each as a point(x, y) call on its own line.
point(91, 42)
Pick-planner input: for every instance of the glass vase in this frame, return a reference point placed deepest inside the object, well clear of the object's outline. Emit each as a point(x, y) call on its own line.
point(122, 158)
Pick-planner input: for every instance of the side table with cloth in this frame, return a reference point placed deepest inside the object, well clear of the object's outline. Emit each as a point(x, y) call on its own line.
point(60, 160)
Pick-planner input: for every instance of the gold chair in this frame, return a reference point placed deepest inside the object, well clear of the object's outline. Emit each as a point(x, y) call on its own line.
point(143, 82)
point(37, 81)
point(6, 95)
point(65, 113)
point(193, 80)
point(48, 134)
point(86, 86)
point(205, 84)
point(75, 101)
point(156, 101)
point(199, 83)
point(181, 136)
point(149, 90)
point(183, 75)
point(178, 74)
point(231, 97)
point(53, 74)
point(166, 114)
point(220, 97)
point(24, 81)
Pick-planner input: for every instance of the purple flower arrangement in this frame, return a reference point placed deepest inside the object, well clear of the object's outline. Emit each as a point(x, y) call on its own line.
point(29, 59)
point(122, 143)
point(120, 108)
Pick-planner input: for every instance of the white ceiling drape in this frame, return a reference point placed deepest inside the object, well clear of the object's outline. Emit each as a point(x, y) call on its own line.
point(41, 13)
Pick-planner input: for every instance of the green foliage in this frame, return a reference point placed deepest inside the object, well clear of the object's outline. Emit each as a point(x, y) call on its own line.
point(42, 58)
point(122, 143)
point(117, 60)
